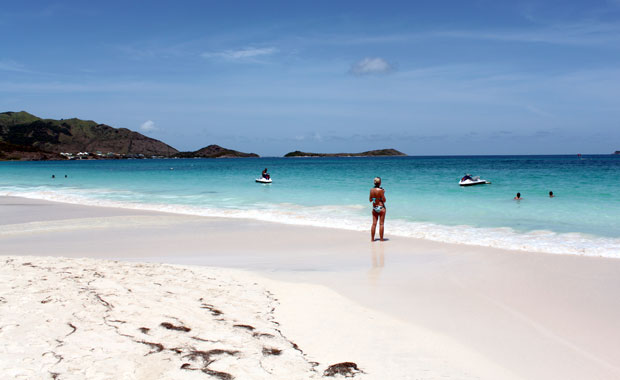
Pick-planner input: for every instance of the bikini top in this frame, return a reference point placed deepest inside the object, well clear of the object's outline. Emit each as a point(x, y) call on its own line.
point(378, 187)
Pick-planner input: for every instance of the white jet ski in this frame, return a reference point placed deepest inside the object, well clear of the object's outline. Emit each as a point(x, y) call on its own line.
point(263, 180)
point(471, 181)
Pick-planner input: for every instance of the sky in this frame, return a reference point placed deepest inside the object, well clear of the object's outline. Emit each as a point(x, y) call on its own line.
point(424, 77)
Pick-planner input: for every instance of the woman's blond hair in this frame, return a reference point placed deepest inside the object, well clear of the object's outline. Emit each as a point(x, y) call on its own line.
point(377, 180)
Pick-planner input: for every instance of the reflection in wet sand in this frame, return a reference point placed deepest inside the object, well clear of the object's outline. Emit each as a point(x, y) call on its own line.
point(378, 261)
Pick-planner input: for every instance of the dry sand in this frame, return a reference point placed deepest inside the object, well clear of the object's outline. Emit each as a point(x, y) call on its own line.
point(89, 319)
point(403, 309)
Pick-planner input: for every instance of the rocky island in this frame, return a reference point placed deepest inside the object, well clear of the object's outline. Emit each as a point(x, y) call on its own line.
point(617, 152)
point(214, 151)
point(370, 153)
point(24, 136)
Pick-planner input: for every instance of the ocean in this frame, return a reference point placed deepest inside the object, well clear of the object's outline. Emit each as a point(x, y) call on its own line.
point(423, 196)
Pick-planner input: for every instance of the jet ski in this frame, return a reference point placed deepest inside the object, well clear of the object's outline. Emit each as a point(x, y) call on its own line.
point(468, 180)
point(263, 180)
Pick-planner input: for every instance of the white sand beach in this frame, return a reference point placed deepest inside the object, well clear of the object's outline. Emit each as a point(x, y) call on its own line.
point(102, 293)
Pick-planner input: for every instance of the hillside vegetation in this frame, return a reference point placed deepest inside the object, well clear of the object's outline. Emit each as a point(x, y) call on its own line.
point(75, 135)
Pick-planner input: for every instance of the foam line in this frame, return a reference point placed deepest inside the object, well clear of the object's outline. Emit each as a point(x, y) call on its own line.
point(348, 218)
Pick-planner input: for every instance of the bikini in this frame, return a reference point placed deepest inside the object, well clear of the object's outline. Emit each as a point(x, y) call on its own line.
point(376, 208)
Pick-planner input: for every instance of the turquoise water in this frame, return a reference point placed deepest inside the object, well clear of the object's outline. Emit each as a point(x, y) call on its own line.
point(423, 196)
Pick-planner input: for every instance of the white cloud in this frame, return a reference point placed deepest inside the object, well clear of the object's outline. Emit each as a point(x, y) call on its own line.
point(7, 65)
point(578, 33)
point(148, 126)
point(315, 136)
point(241, 54)
point(371, 66)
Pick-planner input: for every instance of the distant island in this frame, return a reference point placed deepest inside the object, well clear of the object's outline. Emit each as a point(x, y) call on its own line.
point(370, 153)
point(24, 136)
point(617, 152)
point(214, 151)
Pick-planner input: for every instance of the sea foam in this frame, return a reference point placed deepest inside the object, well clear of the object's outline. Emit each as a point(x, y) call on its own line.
point(347, 217)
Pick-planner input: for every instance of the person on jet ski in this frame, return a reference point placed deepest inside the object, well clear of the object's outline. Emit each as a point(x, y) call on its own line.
point(265, 174)
point(467, 176)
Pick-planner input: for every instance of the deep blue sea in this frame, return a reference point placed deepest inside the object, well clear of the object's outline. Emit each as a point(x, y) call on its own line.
point(423, 196)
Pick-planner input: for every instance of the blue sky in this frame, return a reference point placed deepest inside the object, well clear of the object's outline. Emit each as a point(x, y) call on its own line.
point(425, 77)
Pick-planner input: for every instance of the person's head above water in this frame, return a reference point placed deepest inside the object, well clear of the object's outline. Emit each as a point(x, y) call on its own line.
point(377, 181)
point(551, 193)
point(518, 195)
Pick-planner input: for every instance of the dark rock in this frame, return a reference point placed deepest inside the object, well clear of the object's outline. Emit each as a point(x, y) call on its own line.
point(346, 369)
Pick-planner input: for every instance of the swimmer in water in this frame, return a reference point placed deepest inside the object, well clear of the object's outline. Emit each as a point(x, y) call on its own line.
point(551, 194)
point(518, 197)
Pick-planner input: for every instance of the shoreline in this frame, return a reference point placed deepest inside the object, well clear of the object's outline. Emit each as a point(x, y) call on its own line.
point(503, 238)
point(507, 309)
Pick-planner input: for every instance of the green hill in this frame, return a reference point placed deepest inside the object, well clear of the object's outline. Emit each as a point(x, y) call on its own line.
point(75, 135)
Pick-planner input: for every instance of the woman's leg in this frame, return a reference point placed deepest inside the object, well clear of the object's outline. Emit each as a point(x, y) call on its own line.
point(381, 222)
point(374, 225)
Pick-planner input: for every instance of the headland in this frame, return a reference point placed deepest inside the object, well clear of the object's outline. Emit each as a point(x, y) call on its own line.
point(26, 137)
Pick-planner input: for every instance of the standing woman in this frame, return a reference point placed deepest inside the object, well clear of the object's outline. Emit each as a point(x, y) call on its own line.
point(377, 197)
